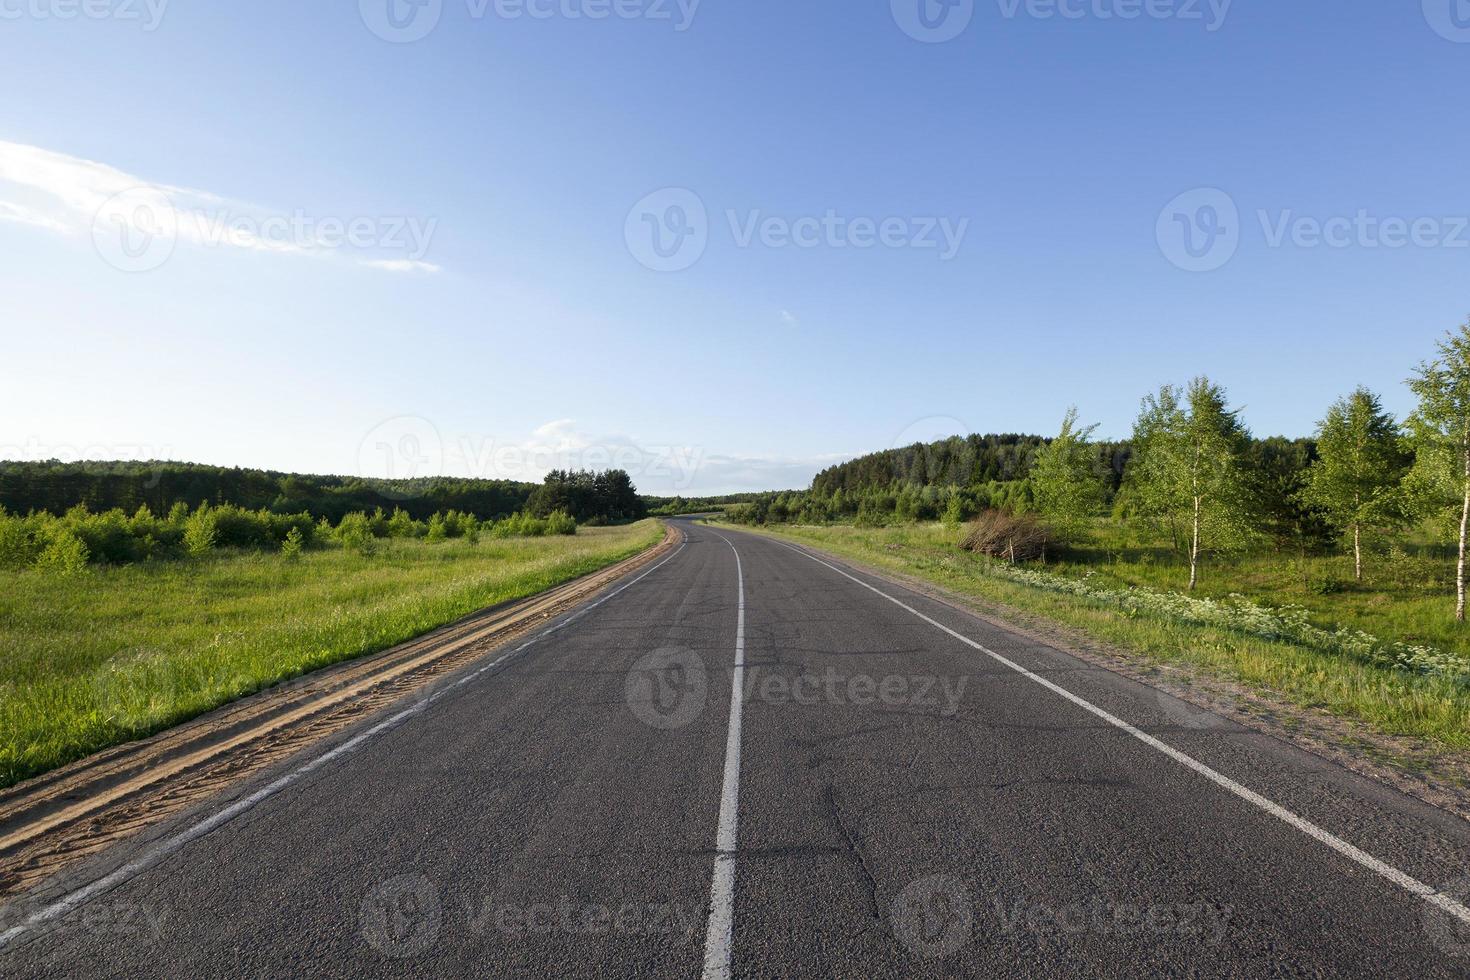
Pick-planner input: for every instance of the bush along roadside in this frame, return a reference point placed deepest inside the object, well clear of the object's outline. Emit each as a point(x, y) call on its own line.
point(69, 543)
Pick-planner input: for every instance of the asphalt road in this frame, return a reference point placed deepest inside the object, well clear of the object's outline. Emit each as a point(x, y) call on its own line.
point(748, 759)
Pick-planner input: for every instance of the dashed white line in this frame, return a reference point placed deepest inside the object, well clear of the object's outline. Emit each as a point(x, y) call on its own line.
point(148, 859)
point(1405, 881)
point(719, 933)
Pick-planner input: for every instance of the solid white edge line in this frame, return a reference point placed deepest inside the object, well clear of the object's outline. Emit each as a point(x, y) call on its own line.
point(719, 934)
point(147, 860)
point(1405, 881)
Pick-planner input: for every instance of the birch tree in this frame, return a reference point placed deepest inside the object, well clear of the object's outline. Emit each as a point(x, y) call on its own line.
point(1360, 465)
point(1439, 431)
point(1188, 467)
point(1067, 489)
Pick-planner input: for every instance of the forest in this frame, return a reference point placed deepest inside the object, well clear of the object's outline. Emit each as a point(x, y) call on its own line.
point(75, 514)
point(56, 487)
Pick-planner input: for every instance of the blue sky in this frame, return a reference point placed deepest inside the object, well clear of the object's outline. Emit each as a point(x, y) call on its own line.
point(522, 325)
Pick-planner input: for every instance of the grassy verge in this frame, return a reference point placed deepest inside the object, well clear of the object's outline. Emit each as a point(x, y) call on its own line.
point(1408, 592)
point(117, 653)
point(1395, 702)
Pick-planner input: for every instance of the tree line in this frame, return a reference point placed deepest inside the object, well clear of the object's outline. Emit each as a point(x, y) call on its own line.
point(962, 461)
point(1191, 469)
point(56, 487)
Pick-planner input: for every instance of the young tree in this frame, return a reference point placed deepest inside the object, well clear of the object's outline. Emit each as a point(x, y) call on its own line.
point(1067, 489)
point(954, 509)
point(201, 532)
point(1360, 463)
point(1439, 431)
point(1187, 466)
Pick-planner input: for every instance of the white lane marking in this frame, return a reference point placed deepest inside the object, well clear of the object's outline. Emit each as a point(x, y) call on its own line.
point(1405, 881)
point(719, 934)
point(132, 869)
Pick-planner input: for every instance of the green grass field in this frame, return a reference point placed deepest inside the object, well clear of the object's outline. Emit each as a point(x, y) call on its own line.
point(1391, 701)
point(1406, 594)
point(116, 653)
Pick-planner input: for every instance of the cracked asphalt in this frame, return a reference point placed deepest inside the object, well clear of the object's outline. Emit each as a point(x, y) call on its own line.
point(907, 805)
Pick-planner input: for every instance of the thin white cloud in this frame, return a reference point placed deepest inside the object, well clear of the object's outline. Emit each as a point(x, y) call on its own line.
point(789, 318)
point(71, 195)
point(82, 187)
point(21, 215)
point(403, 265)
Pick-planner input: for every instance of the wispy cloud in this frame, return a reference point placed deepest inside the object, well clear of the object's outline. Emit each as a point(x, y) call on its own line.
point(18, 214)
point(80, 187)
point(789, 318)
point(70, 195)
point(402, 265)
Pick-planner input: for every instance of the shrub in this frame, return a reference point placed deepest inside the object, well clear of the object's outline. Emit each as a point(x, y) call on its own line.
point(200, 533)
point(872, 512)
point(456, 525)
point(18, 545)
point(521, 525)
point(235, 527)
point(355, 531)
point(291, 547)
point(109, 536)
point(1325, 585)
point(1001, 535)
point(66, 554)
point(401, 525)
point(560, 522)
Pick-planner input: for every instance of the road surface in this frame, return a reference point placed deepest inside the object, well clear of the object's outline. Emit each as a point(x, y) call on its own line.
point(753, 760)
